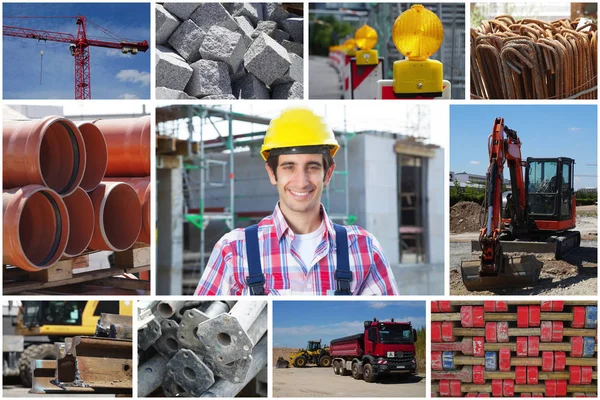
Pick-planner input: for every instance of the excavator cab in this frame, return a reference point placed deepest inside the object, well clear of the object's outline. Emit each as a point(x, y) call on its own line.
point(550, 192)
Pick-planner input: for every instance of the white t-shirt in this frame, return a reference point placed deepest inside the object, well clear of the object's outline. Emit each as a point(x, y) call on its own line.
point(306, 245)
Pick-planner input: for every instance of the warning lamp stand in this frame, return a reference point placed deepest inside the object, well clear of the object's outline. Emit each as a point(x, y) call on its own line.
point(366, 69)
point(418, 78)
point(346, 89)
point(385, 91)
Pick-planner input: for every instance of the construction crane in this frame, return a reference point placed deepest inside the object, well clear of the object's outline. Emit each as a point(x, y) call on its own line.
point(79, 47)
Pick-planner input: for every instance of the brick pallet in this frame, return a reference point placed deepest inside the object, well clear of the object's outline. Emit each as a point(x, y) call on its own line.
point(508, 349)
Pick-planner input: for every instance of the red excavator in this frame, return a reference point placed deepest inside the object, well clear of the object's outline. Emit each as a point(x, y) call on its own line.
point(535, 216)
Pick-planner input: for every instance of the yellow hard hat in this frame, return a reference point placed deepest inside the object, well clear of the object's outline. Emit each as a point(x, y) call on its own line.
point(296, 128)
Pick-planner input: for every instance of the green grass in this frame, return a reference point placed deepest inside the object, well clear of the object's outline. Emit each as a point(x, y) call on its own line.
point(420, 349)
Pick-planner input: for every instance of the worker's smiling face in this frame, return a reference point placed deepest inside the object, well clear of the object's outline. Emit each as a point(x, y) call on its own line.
point(300, 181)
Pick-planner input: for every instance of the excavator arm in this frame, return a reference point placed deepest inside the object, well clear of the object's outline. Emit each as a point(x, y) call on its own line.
point(494, 269)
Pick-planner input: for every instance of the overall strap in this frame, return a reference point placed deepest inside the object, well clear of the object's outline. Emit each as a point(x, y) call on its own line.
point(255, 278)
point(343, 276)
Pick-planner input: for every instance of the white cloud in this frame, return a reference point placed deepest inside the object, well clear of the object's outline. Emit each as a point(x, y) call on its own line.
point(574, 129)
point(135, 76)
point(128, 96)
point(474, 162)
point(378, 304)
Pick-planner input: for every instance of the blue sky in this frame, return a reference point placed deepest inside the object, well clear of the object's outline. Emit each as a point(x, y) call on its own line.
point(113, 75)
point(545, 131)
point(296, 322)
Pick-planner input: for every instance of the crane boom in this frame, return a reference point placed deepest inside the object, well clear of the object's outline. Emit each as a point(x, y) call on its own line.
point(79, 46)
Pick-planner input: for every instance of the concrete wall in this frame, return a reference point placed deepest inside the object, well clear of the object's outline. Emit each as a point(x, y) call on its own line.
point(436, 186)
point(381, 193)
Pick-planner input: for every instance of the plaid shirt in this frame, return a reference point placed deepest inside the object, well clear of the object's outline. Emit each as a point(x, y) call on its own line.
point(284, 271)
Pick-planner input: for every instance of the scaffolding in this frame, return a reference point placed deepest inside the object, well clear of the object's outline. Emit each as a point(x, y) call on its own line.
point(198, 150)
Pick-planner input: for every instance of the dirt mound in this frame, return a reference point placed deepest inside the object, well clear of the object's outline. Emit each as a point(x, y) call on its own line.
point(464, 217)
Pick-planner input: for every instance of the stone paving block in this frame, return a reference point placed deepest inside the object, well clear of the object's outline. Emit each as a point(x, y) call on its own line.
point(295, 73)
point(295, 27)
point(221, 44)
point(219, 97)
point(249, 87)
point(266, 59)
point(186, 40)
point(171, 69)
point(280, 35)
point(182, 11)
point(288, 91)
point(209, 78)
point(166, 23)
point(248, 10)
point(163, 93)
point(213, 14)
point(274, 12)
point(264, 27)
point(293, 47)
point(244, 25)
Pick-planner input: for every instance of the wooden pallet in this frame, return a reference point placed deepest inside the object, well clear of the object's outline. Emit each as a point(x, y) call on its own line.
point(68, 277)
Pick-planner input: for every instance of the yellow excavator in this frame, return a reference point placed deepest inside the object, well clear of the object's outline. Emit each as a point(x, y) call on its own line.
point(313, 354)
point(38, 324)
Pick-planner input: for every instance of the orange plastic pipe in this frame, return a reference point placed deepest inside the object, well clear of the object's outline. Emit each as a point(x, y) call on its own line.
point(96, 156)
point(142, 188)
point(81, 215)
point(35, 227)
point(128, 143)
point(48, 151)
point(117, 216)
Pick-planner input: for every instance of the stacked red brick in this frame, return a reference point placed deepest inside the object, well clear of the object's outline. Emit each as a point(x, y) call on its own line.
point(512, 349)
point(57, 201)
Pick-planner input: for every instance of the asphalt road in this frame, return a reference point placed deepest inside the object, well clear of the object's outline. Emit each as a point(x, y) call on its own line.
point(322, 382)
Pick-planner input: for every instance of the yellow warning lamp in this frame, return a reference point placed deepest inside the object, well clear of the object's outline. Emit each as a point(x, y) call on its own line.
point(417, 33)
point(350, 46)
point(366, 38)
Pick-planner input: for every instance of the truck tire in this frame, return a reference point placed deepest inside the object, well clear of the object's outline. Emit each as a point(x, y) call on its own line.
point(300, 362)
point(34, 352)
point(325, 361)
point(368, 374)
point(336, 368)
point(355, 374)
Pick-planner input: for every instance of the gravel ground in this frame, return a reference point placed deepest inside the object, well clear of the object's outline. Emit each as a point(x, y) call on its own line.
point(576, 274)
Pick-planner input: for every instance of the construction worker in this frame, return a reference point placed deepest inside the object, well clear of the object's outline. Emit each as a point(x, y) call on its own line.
point(298, 250)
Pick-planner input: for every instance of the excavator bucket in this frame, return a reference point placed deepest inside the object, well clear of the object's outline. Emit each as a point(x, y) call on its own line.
point(516, 272)
point(282, 363)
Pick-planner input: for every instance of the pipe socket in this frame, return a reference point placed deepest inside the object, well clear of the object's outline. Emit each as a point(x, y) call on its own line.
point(142, 188)
point(117, 216)
point(48, 152)
point(96, 155)
point(35, 227)
point(81, 218)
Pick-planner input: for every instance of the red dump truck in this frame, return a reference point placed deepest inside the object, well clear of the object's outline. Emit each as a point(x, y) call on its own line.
point(384, 347)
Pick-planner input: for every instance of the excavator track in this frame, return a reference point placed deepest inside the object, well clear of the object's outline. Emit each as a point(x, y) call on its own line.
point(516, 272)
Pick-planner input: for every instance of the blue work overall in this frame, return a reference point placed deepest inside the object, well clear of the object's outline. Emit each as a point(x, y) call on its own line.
point(256, 278)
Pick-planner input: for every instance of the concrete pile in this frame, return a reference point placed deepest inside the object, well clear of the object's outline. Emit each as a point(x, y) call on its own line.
point(200, 348)
point(70, 187)
point(228, 51)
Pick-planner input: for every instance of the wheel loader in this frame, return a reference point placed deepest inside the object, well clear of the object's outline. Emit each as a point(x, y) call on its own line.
point(313, 354)
point(38, 324)
point(536, 216)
